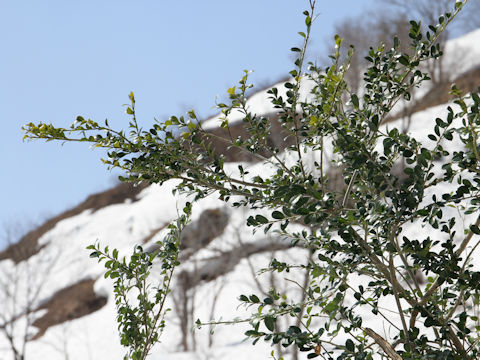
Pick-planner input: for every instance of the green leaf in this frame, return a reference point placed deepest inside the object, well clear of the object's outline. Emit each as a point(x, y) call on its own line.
point(331, 306)
point(354, 99)
point(191, 126)
point(270, 322)
point(407, 153)
point(475, 229)
point(429, 321)
point(261, 219)
point(338, 41)
point(254, 299)
point(316, 272)
point(252, 333)
point(404, 60)
point(476, 98)
point(277, 215)
point(350, 345)
point(268, 301)
point(396, 42)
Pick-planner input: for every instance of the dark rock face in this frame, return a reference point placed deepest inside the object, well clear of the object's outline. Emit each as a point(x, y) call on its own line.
point(69, 303)
point(200, 233)
point(224, 263)
point(278, 138)
point(28, 244)
point(440, 94)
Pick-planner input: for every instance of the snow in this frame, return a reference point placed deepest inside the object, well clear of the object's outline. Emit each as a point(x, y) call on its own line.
point(462, 53)
point(65, 258)
point(259, 103)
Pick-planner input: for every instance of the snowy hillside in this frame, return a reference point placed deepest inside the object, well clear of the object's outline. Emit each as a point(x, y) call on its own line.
point(221, 261)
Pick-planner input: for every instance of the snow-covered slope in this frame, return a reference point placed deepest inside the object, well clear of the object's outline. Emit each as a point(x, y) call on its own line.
point(231, 250)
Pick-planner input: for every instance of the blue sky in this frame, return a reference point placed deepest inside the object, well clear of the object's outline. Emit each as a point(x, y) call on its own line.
point(61, 59)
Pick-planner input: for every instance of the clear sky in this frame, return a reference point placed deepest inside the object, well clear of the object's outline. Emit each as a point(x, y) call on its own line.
point(60, 59)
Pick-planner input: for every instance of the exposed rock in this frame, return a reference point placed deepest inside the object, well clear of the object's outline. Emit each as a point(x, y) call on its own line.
point(440, 94)
point(214, 267)
point(28, 244)
point(278, 138)
point(70, 303)
point(198, 234)
point(153, 233)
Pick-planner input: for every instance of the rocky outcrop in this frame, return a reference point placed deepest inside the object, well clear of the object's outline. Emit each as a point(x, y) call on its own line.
point(212, 268)
point(440, 93)
point(198, 234)
point(28, 244)
point(69, 303)
point(221, 140)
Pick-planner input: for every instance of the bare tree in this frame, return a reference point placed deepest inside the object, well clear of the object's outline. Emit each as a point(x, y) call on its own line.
point(183, 295)
point(392, 18)
point(354, 33)
point(60, 344)
point(195, 237)
point(282, 284)
point(470, 18)
point(428, 12)
point(21, 286)
point(364, 30)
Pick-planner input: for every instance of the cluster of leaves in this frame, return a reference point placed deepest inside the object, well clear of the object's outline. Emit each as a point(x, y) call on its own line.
point(364, 257)
point(140, 305)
